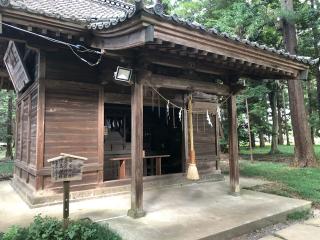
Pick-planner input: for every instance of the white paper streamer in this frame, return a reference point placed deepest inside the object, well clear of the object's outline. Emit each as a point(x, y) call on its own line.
point(219, 112)
point(209, 120)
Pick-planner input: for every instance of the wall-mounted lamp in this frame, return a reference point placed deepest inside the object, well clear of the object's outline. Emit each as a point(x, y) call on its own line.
point(123, 75)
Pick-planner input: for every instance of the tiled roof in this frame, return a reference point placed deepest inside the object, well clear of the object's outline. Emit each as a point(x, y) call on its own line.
point(194, 25)
point(101, 14)
point(75, 10)
point(158, 11)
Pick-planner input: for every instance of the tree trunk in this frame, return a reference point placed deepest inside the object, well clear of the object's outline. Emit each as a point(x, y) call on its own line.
point(253, 142)
point(310, 111)
point(280, 121)
point(304, 152)
point(275, 125)
point(315, 40)
point(262, 141)
point(286, 127)
point(9, 153)
point(249, 129)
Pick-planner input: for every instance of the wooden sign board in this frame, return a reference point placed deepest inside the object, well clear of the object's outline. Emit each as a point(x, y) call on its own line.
point(16, 68)
point(66, 167)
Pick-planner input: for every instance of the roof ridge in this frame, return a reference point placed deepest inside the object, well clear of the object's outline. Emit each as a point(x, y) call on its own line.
point(117, 3)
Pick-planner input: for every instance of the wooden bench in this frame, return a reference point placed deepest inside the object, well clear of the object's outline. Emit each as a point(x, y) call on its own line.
point(122, 160)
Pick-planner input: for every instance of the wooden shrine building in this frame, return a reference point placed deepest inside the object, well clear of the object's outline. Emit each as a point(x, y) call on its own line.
point(61, 58)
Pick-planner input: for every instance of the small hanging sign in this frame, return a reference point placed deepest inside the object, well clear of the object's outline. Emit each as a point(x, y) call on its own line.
point(16, 67)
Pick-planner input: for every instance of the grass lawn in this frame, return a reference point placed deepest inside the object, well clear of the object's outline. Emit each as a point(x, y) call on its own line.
point(6, 167)
point(284, 149)
point(301, 183)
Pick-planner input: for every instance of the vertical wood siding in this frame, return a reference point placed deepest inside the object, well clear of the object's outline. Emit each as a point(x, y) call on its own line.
point(26, 135)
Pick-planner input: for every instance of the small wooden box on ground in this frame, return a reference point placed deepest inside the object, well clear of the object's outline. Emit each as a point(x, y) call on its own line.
point(66, 167)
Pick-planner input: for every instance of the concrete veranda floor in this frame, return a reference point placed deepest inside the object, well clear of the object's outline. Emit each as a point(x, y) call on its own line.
point(193, 211)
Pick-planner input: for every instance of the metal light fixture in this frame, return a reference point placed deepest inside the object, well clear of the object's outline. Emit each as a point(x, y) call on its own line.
point(123, 75)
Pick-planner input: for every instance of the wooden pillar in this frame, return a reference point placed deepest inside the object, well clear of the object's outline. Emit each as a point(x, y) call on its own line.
point(218, 150)
point(40, 119)
point(233, 146)
point(101, 134)
point(136, 210)
point(185, 136)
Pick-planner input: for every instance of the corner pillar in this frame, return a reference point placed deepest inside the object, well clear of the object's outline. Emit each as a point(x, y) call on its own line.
point(233, 146)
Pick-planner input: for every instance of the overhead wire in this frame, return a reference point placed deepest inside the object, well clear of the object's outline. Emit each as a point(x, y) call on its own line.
point(179, 107)
point(83, 49)
point(72, 47)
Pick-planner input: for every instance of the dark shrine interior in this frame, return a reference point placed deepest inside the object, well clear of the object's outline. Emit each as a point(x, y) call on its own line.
point(162, 136)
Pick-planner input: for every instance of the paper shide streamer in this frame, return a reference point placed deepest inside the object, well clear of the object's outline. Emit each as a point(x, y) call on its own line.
point(209, 119)
point(168, 111)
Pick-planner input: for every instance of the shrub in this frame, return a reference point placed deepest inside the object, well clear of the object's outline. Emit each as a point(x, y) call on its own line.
point(47, 228)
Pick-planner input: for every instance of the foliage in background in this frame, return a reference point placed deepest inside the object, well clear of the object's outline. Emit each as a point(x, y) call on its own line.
point(284, 150)
point(4, 97)
point(47, 228)
point(259, 21)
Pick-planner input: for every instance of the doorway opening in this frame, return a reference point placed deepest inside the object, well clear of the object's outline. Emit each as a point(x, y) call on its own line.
point(162, 141)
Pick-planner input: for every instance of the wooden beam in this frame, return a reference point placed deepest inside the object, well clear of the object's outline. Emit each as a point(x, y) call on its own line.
point(160, 81)
point(138, 37)
point(136, 210)
point(177, 61)
point(233, 146)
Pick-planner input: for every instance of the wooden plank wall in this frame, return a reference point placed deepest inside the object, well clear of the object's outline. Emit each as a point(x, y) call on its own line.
point(25, 163)
point(73, 117)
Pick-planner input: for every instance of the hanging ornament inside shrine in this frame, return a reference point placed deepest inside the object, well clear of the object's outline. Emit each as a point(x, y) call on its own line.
point(168, 111)
point(173, 118)
point(180, 115)
point(159, 111)
point(197, 122)
point(152, 97)
point(219, 112)
point(209, 120)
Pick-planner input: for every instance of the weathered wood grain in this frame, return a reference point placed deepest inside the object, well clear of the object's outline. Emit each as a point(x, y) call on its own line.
point(233, 146)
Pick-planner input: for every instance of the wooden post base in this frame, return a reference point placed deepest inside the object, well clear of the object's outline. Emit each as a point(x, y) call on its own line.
point(235, 192)
point(66, 197)
point(136, 213)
